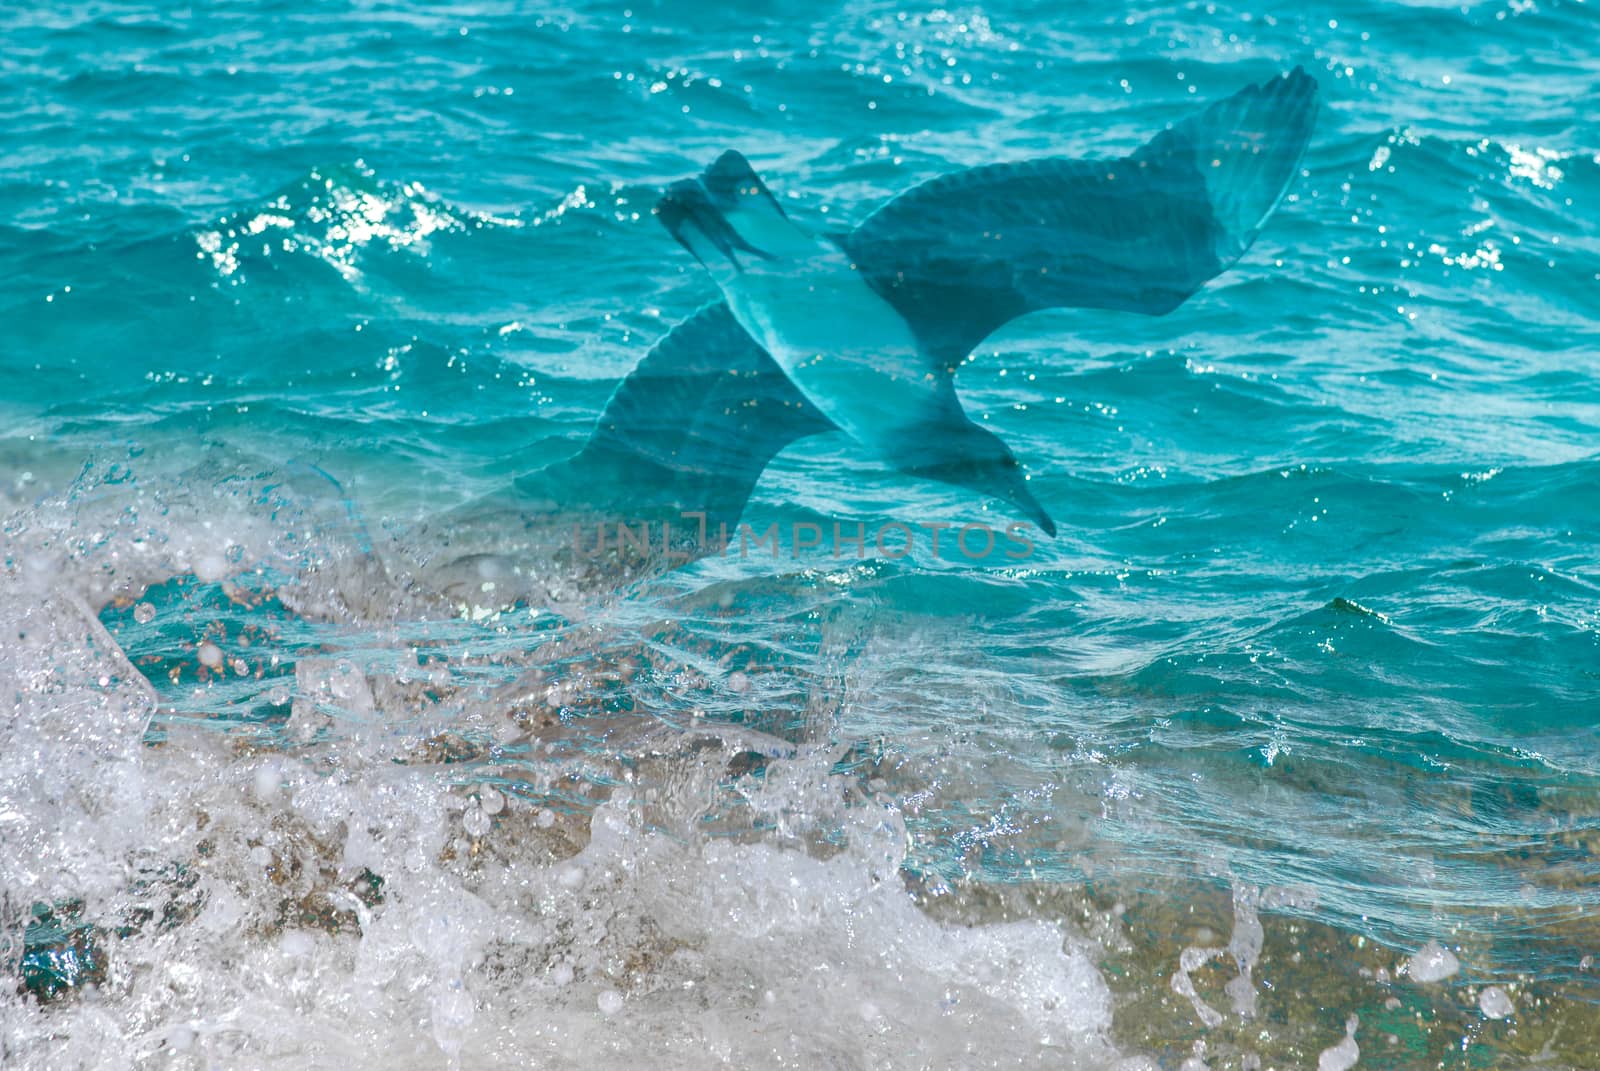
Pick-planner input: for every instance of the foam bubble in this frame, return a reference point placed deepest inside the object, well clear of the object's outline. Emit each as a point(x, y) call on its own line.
point(1431, 963)
point(1342, 1056)
point(1495, 1003)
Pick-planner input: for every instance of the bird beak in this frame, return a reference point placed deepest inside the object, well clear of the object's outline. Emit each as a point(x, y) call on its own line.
point(689, 215)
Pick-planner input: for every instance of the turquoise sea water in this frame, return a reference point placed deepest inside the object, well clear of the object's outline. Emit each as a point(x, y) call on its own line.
point(1324, 610)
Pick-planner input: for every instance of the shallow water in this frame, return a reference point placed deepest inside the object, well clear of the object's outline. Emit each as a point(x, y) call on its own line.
point(1311, 659)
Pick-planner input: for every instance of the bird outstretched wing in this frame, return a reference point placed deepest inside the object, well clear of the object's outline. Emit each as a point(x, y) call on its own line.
point(689, 430)
point(963, 254)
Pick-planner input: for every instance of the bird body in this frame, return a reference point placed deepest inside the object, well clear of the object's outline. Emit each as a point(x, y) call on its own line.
point(862, 332)
point(800, 297)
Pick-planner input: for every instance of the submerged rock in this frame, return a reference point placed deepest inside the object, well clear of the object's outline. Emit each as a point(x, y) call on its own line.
point(60, 953)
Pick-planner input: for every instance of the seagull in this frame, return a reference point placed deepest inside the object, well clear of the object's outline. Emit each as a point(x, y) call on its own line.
point(861, 332)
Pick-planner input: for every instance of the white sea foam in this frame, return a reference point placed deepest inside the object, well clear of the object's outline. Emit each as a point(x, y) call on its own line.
point(508, 928)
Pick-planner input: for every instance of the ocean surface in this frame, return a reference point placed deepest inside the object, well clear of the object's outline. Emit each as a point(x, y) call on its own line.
point(1297, 711)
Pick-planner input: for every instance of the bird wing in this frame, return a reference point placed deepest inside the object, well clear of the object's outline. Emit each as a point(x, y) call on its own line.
point(689, 430)
point(965, 253)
